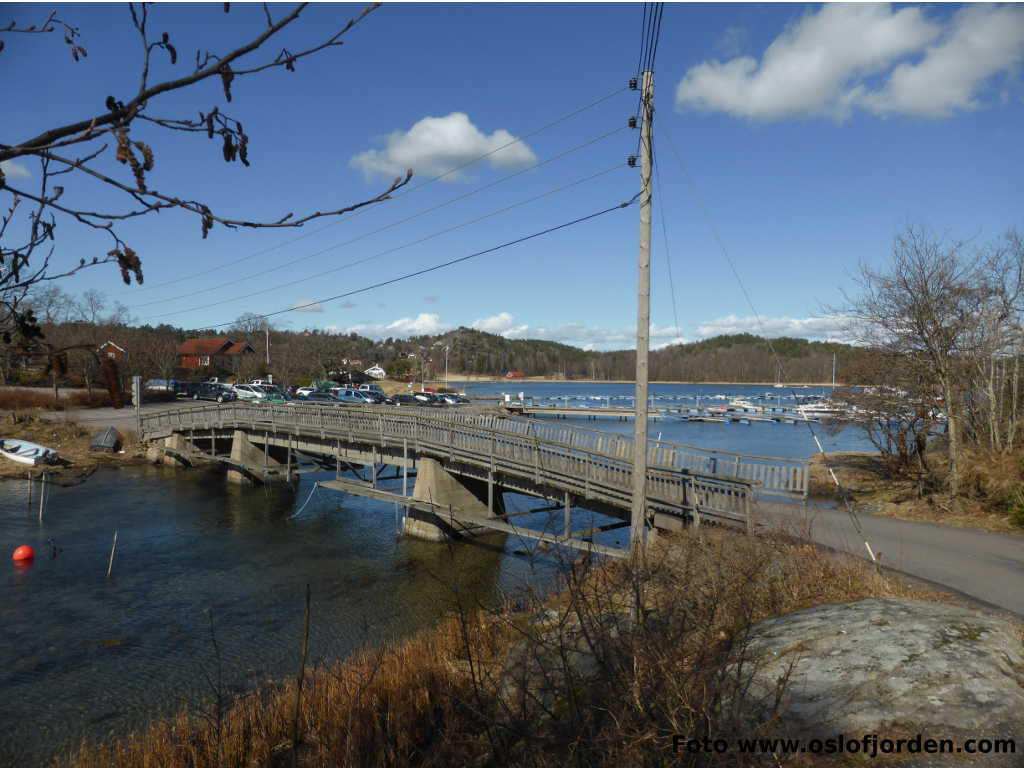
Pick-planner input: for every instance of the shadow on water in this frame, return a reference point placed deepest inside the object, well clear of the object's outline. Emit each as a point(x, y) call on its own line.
point(88, 656)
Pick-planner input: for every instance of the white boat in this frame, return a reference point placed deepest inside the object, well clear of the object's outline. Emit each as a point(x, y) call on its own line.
point(27, 453)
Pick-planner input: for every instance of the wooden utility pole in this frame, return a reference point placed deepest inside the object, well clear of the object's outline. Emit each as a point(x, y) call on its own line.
point(638, 517)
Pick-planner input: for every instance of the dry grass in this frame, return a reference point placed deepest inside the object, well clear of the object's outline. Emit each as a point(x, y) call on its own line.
point(22, 399)
point(994, 490)
point(581, 678)
point(69, 438)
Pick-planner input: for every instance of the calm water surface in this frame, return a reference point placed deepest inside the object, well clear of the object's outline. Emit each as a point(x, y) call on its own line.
point(83, 655)
point(198, 558)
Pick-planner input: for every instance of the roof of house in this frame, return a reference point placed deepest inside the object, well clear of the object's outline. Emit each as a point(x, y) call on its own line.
point(213, 345)
point(111, 344)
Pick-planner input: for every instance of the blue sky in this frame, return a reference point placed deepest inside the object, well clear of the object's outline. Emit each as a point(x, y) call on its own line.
point(810, 135)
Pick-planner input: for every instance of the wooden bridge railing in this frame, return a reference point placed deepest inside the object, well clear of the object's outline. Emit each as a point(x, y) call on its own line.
point(589, 463)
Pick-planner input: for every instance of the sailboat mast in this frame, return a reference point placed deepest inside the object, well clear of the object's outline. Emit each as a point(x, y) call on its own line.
point(638, 516)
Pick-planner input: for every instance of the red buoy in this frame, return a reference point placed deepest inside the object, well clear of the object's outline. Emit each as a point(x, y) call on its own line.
point(23, 553)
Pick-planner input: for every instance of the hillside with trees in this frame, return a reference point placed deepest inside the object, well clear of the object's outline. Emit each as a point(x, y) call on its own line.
point(80, 324)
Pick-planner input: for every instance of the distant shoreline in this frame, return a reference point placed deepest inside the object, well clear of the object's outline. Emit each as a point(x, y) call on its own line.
point(543, 380)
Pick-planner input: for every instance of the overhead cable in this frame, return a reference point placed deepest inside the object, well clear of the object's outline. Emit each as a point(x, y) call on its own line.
point(442, 265)
point(406, 191)
point(385, 227)
point(396, 248)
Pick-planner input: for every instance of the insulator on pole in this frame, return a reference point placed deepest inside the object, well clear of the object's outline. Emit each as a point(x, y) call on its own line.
point(632, 161)
point(632, 121)
point(633, 85)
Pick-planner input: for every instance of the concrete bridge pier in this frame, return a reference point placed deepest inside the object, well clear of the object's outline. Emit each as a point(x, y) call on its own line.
point(174, 451)
point(435, 485)
point(250, 465)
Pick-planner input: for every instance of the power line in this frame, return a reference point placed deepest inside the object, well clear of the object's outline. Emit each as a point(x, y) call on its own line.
point(391, 225)
point(406, 191)
point(409, 244)
point(442, 265)
point(668, 256)
point(850, 511)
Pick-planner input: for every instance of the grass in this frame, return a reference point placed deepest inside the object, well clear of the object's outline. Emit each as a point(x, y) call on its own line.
point(993, 500)
point(69, 438)
point(21, 399)
point(603, 673)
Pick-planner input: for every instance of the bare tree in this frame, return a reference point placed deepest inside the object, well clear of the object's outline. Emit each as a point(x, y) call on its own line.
point(942, 311)
point(74, 152)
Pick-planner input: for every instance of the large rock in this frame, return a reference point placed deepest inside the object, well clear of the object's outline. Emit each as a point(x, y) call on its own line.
point(876, 665)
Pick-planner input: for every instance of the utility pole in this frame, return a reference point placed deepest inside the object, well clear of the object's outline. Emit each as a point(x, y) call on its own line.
point(638, 517)
point(267, 329)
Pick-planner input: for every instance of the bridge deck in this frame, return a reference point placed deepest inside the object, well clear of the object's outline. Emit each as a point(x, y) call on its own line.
point(589, 464)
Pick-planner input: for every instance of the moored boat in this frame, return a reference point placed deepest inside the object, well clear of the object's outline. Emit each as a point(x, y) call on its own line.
point(27, 453)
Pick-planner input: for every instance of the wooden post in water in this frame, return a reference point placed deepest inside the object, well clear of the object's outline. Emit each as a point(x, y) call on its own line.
point(42, 495)
point(110, 563)
point(29, 511)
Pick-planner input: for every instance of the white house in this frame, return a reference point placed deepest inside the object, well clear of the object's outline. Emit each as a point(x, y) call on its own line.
point(376, 372)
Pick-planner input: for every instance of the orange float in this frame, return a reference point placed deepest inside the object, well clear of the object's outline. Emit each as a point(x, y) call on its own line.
point(23, 553)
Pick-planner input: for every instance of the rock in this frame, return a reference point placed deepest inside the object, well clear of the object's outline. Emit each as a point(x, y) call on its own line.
point(878, 665)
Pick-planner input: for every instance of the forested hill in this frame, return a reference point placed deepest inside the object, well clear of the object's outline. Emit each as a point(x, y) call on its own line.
point(737, 358)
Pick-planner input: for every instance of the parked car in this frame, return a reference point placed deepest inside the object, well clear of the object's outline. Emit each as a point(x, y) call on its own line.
point(303, 391)
point(354, 397)
point(405, 399)
point(275, 395)
point(430, 398)
point(318, 398)
point(217, 392)
point(370, 388)
point(249, 392)
point(453, 399)
point(377, 398)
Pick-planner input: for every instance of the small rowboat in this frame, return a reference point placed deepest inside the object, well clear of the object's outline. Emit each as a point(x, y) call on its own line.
point(26, 452)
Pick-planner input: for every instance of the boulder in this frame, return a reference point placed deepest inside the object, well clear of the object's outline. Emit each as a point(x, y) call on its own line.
point(884, 664)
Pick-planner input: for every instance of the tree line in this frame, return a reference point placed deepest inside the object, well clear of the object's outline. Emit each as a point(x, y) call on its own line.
point(82, 323)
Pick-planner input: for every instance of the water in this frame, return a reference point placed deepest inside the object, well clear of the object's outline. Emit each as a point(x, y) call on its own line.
point(87, 656)
point(793, 441)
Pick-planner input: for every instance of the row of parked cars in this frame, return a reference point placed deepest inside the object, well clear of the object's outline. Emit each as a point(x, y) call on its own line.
point(265, 392)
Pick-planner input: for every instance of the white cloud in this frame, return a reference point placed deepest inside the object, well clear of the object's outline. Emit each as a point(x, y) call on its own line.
point(435, 145)
point(829, 328)
point(502, 324)
point(589, 337)
point(822, 64)
point(983, 41)
point(306, 305)
point(422, 325)
point(14, 170)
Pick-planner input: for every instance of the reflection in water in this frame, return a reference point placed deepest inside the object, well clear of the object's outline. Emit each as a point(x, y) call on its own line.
point(198, 558)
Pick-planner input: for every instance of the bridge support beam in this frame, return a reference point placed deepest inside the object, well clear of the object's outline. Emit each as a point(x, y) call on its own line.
point(440, 488)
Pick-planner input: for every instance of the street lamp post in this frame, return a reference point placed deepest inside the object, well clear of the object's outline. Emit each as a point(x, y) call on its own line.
point(446, 348)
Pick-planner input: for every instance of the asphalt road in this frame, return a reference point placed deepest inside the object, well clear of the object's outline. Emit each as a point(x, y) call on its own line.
point(986, 566)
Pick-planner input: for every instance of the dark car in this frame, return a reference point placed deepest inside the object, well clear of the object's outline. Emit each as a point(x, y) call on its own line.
point(318, 398)
point(207, 391)
point(406, 400)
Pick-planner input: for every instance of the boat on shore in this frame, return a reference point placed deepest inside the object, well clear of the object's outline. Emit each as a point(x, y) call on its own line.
point(25, 452)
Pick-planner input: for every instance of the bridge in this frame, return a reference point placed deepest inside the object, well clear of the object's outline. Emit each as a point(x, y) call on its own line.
point(463, 463)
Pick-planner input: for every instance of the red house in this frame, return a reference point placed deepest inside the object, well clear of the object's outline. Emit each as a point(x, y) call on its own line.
point(213, 352)
point(515, 375)
point(111, 350)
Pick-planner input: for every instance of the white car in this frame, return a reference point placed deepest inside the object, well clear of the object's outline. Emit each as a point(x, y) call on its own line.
point(249, 392)
point(303, 391)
